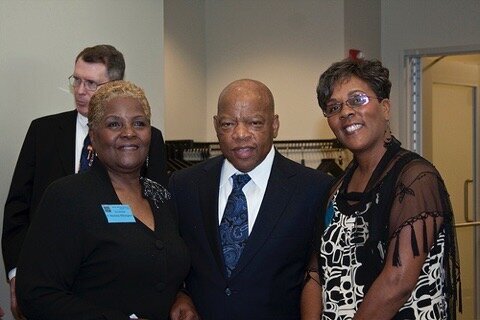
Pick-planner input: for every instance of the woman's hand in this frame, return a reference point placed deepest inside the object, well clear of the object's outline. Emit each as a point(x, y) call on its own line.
point(183, 308)
point(311, 299)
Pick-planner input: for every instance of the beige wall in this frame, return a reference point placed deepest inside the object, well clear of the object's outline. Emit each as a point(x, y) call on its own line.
point(185, 70)
point(284, 44)
point(362, 27)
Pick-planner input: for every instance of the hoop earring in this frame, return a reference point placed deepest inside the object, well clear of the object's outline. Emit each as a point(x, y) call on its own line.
point(146, 162)
point(387, 139)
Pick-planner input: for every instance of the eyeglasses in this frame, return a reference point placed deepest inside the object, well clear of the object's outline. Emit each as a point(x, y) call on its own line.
point(355, 101)
point(89, 84)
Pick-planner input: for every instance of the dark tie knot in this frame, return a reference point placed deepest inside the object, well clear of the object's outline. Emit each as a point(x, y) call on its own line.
point(239, 181)
point(86, 141)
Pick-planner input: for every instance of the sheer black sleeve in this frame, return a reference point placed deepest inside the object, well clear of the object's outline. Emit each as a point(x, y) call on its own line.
point(421, 202)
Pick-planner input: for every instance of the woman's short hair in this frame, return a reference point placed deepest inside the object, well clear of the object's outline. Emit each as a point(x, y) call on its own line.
point(112, 90)
point(371, 72)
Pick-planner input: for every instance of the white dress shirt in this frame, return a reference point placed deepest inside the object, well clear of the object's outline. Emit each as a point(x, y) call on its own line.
point(254, 190)
point(81, 133)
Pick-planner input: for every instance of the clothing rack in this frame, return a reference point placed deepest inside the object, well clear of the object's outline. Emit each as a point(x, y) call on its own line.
point(310, 153)
point(327, 155)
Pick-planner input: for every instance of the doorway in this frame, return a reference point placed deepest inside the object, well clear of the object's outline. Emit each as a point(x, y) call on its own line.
point(444, 127)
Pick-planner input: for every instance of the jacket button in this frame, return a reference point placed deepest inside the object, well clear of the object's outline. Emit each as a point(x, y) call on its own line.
point(159, 244)
point(228, 292)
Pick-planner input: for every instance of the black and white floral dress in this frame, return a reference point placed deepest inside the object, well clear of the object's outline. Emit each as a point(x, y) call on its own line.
point(405, 190)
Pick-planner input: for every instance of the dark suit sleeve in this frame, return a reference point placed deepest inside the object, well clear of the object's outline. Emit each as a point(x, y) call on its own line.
point(17, 207)
point(157, 167)
point(53, 251)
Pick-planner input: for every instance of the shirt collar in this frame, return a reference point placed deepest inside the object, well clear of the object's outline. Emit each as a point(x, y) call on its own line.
point(82, 120)
point(259, 174)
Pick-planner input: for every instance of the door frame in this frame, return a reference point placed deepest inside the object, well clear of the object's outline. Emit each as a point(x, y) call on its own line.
point(411, 91)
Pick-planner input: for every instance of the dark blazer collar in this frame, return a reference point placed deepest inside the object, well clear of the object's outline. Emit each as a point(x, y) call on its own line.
point(65, 140)
point(99, 173)
point(208, 185)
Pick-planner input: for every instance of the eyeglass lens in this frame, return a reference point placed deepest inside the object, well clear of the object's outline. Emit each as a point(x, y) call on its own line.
point(354, 101)
point(76, 82)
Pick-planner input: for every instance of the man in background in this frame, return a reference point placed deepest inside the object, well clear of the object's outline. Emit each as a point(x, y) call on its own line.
point(56, 146)
point(248, 217)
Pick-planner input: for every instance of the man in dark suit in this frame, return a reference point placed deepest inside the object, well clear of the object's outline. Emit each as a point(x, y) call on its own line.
point(53, 147)
point(249, 265)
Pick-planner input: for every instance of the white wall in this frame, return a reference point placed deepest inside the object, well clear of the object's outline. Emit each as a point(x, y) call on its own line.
point(283, 43)
point(39, 40)
point(414, 24)
point(185, 70)
point(362, 27)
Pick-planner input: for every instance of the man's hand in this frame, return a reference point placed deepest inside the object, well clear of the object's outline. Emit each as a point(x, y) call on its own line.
point(183, 308)
point(17, 314)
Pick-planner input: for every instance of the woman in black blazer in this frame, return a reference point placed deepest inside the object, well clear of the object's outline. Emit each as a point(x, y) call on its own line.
point(103, 244)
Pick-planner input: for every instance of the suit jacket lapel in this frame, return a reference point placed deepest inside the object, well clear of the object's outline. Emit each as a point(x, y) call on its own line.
point(100, 175)
point(65, 141)
point(277, 196)
point(208, 194)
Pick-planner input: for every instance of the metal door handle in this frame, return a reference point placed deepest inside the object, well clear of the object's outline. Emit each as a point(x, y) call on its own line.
point(467, 224)
point(465, 200)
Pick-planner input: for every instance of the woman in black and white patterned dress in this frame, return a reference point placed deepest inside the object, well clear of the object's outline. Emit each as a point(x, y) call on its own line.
point(387, 249)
